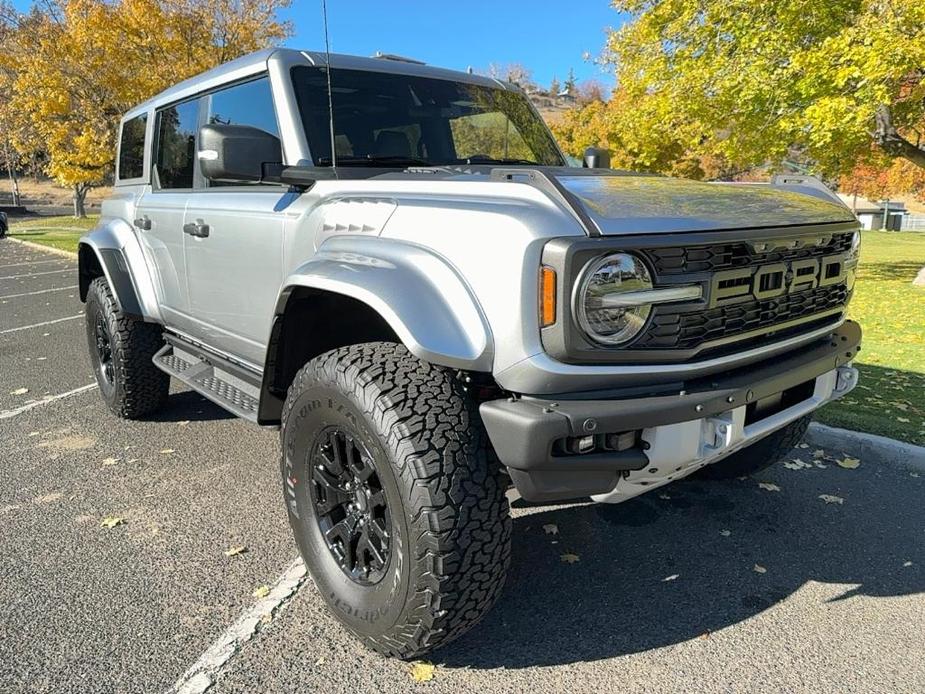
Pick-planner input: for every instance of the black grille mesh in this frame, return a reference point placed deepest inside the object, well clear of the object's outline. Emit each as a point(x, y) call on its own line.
point(727, 256)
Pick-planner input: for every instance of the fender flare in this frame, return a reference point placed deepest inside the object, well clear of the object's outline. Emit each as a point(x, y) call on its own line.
point(114, 248)
point(419, 294)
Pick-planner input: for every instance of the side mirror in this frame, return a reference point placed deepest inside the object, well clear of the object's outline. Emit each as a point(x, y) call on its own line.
point(597, 158)
point(237, 153)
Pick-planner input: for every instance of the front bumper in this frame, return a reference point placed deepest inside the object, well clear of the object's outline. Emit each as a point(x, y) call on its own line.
point(705, 421)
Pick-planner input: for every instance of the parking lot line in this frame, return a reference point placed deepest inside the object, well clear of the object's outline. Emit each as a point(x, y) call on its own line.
point(39, 325)
point(40, 291)
point(36, 274)
point(34, 262)
point(6, 414)
point(201, 675)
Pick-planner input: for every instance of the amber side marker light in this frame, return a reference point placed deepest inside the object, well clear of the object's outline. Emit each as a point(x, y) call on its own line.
point(547, 296)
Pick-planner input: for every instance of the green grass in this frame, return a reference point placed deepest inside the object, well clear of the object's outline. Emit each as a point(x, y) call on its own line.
point(57, 232)
point(892, 360)
point(890, 310)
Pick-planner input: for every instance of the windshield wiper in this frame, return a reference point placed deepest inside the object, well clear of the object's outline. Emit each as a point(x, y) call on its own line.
point(375, 160)
point(494, 160)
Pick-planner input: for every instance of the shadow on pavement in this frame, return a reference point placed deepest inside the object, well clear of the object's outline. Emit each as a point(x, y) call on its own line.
point(616, 600)
point(192, 407)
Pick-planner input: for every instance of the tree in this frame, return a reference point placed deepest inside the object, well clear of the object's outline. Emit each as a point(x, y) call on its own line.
point(752, 80)
point(570, 82)
point(77, 65)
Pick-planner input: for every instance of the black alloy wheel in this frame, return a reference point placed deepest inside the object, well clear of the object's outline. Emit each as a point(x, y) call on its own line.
point(350, 506)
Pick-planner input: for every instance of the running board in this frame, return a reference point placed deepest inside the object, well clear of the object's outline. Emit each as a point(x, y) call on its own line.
point(218, 385)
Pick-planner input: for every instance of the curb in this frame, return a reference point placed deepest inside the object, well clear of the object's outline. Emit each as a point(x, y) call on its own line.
point(878, 449)
point(40, 247)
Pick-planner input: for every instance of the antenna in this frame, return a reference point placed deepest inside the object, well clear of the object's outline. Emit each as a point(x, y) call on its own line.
point(327, 55)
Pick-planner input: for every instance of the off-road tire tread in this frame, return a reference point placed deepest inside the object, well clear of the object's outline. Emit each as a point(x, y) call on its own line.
point(761, 454)
point(458, 512)
point(144, 388)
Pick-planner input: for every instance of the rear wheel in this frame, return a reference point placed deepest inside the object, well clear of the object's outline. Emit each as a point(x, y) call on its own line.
point(121, 350)
point(396, 504)
point(760, 455)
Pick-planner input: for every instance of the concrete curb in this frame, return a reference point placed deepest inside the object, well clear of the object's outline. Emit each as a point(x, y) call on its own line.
point(867, 447)
point(40, 247)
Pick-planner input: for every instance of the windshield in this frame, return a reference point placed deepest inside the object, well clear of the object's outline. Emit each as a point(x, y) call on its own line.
point(383, 119)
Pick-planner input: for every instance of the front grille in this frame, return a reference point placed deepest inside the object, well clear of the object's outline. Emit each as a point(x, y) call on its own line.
point(728, 256)
point(670, 329)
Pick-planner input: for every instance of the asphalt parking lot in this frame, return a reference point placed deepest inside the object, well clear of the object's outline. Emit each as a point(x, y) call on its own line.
point(702, 586)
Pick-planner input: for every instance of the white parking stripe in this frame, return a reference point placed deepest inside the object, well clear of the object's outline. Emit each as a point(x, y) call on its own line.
point(37, 274)
point(39, 325)
point(202, 674)
point(34, 262)
point(6, 414)
point(40, 291)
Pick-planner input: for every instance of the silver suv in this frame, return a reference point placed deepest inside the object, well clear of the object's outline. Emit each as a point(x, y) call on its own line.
point(393, 264)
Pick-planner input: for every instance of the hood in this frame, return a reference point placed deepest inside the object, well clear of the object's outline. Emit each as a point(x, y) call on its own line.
point(654, 204)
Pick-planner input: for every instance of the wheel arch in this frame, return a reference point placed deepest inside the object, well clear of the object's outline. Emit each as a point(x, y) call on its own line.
point(364, 290)
point(111, 250)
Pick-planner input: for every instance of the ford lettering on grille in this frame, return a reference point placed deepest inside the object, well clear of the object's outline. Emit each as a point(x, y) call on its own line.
point(768, 281)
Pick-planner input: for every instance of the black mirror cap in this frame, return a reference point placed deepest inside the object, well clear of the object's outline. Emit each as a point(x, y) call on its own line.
point(597, 158)
point(238, 153)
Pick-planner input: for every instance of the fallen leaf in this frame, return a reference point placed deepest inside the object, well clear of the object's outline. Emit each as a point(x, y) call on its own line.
point(819, 453)
point(831, 499)
point(770, 486)
point(725, 533)
point(705, 635)
point(320, 661)
point(796, 464)
point(907, 564)
point(664, 497)
point(551, 529)
point(261, 592)
point(110, 461)
point(19, 391)
point(422, 671)
point(904, 420)
point(183, 423)
point(266, 619)
point(759, 569)
point(235, 551)
point(803, 445)
point(111, 522)
point(672, 577)
point(569, 558)
point(849, 463)
point(167, 451)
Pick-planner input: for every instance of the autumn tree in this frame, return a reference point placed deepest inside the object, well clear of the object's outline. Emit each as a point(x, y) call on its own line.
point(77, 65)
point(751, 80)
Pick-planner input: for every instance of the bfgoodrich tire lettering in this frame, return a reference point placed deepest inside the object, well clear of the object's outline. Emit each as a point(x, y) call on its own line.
point(449, 545)
point(760, 455)
point(121, 349)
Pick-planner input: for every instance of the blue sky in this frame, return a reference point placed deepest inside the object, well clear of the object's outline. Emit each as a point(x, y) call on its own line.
point(546, 37)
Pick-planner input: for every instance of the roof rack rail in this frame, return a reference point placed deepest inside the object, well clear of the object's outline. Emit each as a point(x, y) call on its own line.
point(398, 58)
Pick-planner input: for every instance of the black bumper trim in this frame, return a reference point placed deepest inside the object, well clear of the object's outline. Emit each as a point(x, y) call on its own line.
point(523, 430)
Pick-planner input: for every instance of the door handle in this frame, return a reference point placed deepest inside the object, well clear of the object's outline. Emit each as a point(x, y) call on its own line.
point(143, 223)
point(199, 229)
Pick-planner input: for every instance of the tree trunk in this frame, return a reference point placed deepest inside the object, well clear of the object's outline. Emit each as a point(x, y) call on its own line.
point(892, 142)
point(80, 199)
point(14, 177)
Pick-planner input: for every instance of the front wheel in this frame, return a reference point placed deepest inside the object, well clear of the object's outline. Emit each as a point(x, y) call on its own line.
point(396, 503)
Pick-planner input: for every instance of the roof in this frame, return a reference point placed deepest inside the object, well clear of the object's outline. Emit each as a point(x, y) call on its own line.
point(260, 61)
point(862, 205)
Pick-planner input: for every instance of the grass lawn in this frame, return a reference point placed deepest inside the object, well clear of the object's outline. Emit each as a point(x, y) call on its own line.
point(57, 232)
point(890, 399)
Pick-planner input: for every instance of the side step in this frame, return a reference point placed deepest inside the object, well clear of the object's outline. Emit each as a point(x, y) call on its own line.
point(218, 385)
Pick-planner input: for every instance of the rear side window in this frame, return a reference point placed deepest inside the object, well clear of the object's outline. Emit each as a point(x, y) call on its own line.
point(132, 148)
point(176, 144)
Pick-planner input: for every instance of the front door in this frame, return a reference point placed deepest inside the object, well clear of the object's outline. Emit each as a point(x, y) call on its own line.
point(233, 239)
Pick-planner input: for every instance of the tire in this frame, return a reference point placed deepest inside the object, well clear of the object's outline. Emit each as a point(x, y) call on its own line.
point(759, 455)
point(131, 386)
point(435, 488)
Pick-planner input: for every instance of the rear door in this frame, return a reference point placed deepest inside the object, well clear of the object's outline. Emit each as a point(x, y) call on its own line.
point(160, 211)
point(234, 239)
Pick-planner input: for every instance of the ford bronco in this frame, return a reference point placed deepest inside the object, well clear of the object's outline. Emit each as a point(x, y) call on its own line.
point(393, 264)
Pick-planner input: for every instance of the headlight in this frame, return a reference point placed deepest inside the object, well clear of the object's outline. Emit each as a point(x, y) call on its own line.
point(597, 301)
point(856, 243)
